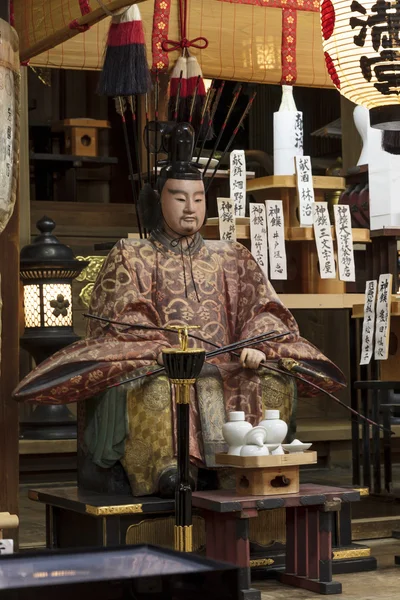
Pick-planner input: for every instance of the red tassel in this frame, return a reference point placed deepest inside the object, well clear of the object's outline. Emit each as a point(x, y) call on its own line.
point(125, 70)
point(193, 72)
point(196, 87)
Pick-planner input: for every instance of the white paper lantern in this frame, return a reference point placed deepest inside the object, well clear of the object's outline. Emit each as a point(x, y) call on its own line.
point(361, 41)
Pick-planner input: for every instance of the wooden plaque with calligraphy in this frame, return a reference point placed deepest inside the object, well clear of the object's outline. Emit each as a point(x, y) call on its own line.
point(9, 120)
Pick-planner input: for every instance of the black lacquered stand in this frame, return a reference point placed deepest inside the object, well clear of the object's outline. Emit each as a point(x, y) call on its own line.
point(183, 366)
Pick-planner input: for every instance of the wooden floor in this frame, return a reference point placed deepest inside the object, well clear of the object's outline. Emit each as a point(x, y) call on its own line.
point(383, 584)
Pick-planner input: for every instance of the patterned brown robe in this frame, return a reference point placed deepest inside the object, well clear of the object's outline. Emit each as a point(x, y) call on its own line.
point(216, 285)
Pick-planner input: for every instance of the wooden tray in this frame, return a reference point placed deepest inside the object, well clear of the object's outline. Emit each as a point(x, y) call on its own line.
point(256, 462)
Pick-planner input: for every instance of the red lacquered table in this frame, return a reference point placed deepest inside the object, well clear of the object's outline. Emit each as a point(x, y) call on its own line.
point(309, 522)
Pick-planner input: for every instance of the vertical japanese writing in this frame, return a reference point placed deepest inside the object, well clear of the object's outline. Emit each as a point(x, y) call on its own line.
point(258, 235)
point(227, 223)
point(344, 237)
point(383, 306)
point(367, 341)
point(237, 181)
point(276, 239)
point(7, 124)
point(323, 240)
point(298, 132)
point(305, 189)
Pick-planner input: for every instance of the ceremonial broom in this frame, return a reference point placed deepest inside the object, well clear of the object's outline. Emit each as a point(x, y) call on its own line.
point(120, 106)
point(211, 118)
point(236, 93)
point(231, 140)
point(125, 73)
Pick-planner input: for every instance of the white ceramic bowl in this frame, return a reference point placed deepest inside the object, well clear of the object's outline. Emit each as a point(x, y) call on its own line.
point(256, 436)
point(272, 447)
point(292, 448)
point(249, 450)
point(278, 451)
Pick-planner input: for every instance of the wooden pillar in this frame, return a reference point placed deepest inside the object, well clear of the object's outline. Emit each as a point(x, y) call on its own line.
point(9, 273)
point(351, 140)
point(25, 360)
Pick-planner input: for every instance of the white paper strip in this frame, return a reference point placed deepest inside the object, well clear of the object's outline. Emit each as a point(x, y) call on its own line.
point(305, 189)
point(367, 342)
point(258, 235)
point(6, 546)
point(383, 307)
point(237, 180)
point(276, 239)
point(7, 133)
point(323, 240)
point(344, 237)
point(227, 222)
point(288, 140)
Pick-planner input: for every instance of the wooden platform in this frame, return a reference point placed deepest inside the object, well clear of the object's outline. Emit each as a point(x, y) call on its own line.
point(289, 181)
point(254, 462)
point(358, 309)
point(292, 234)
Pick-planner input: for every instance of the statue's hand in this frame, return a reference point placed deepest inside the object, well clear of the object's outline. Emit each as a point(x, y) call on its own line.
point(160, 359)
point(250, 358)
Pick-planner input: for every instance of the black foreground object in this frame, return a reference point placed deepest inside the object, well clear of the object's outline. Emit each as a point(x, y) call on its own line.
point(133, 572)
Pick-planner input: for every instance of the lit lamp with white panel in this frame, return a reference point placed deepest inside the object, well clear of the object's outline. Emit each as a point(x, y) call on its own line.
point(47, 269)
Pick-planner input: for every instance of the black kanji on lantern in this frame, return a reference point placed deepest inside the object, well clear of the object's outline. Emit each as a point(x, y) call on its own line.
point(387, 71)
point(384, 24)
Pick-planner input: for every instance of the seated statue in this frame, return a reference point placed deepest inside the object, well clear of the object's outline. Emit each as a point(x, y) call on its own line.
point(174, 277)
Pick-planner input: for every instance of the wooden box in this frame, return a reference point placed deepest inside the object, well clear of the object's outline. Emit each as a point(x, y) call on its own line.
point(81, 135)
point(267, 475)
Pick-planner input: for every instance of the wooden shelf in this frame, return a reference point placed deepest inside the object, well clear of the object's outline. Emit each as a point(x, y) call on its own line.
point(71, 158)
point(289, 181)
point(324, 301)
point(220, 174)
point(386, 232)
point(292, 234)
point(47, 446)
point(306, 234)
point(358, 309)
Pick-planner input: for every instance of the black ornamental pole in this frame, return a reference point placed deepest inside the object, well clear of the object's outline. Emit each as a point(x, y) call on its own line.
point(183, 366)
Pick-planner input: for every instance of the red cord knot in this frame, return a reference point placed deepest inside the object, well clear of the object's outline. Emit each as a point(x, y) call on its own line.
point(201, 43)
point(76, 25)
point(85, 7)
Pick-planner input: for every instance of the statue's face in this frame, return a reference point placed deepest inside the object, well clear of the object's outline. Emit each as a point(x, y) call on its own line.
point(183, 205)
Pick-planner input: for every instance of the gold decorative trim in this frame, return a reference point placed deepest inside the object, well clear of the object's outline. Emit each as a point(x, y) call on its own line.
point(261, 562)
point(86, 294)
point(90, 272)
point(160, 531)
point(363, 491)
point(182, 389)
point(356, 553)
point(104, 511)
point(184, 538)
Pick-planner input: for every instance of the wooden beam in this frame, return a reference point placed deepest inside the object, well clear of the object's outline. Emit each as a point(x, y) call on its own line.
point(9, 273)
